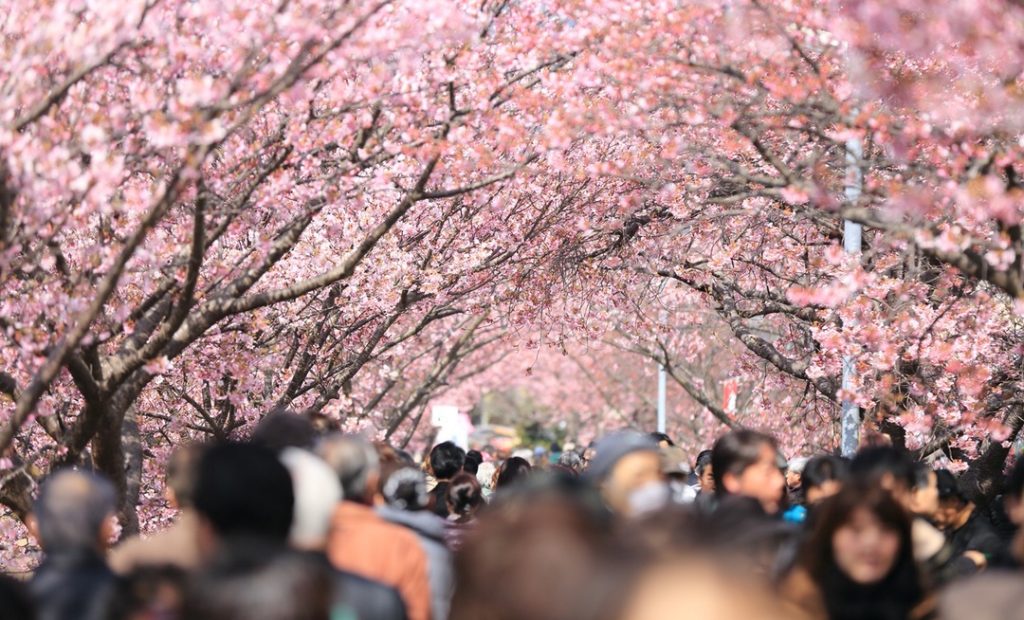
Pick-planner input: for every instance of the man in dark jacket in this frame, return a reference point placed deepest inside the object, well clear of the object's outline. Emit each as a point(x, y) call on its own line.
point(970, 532)
point(73, 519)
point(446, 460)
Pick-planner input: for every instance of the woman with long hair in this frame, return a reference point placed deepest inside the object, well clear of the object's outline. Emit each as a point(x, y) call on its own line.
point(858, 563)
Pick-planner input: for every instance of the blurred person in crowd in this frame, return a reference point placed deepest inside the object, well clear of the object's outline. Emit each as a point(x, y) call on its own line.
point(822, 477)
point(923, 500)
point(486, 475)
point(404, 492)
point(317, 492)
point(465, 499)
point(571, 461)
point(535, 553)
point(472, 463)
point(151, 593)
point(968, 529)
point(698, 587)
point(676, 470)
point(513, 470)
point(705, 475)
point(243, 495)
point(363, 542)
point(178, 545)
point(283, 428)
point(894, 470)
point(858, 563)
point(446, 460)
point(73, 520)
point(745, 463)
point(15, 602)
point(663, 440)
point(249, 584)
point(1014, 501)
point(627, 470)
point(794, 479)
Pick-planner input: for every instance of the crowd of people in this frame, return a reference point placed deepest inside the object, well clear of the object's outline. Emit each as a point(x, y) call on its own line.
point(290, 525)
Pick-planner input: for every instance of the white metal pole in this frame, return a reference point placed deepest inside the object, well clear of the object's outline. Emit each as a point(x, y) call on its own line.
point(850, 422)
point(662, 380)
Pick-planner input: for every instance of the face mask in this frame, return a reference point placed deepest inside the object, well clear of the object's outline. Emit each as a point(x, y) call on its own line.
point(650, 497)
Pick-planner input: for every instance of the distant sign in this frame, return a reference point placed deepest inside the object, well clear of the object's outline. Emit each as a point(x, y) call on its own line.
point(730, 391)
point(444, 415)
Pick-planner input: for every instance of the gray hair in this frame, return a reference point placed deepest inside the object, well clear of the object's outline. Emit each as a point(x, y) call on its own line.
point(317, 493)
point(71, 508)
point(355, 462)
point(571, 460)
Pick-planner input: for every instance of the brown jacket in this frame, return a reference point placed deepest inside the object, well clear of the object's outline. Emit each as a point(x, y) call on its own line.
point(176, 546)
point(363, 543)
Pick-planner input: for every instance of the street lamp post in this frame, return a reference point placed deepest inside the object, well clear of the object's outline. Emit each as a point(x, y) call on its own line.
point(850, 421)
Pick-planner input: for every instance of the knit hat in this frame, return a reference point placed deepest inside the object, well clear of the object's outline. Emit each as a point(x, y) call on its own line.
point(611, 449)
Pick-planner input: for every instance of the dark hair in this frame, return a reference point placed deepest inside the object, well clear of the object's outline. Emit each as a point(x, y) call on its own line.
point(14, 600)
point(735, 451)
point(659, 437)
point(446, 460)
point(464, 494)
point(875, 462)
point(513, 469)
point(703, 460)
point(949, 487)
point(824, 468)
point(243, 490)
point(472, 462)
point(922, 475)
point(899, 592)
point(182, 470)
point(282, 429)
point(403, 487)
point(252, 582)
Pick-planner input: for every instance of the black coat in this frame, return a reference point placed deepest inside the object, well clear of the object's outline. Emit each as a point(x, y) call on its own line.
point(74, 586)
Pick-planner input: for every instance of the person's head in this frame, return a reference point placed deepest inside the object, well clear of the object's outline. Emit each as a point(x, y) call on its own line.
point(746, 463)
point(472, 463)
point(624, 465)
point(794, 471)
point(243, 492)
point(514, 469)
point(674, 465)
point(663, 440)
point(282, 429)
point(446, 460)
point(861, 552)
point(1014, 493)
point(356, 464)
point(540, 541)
point(924, 497)
point(317, 493)
point(180, 477)
point(252, 583)
point(887, 466)
point(404, 488)
point(571, 460)
point(74, 512)
point(705, 474)
point(952, 501)
point(465, 496)
point(823, 476)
